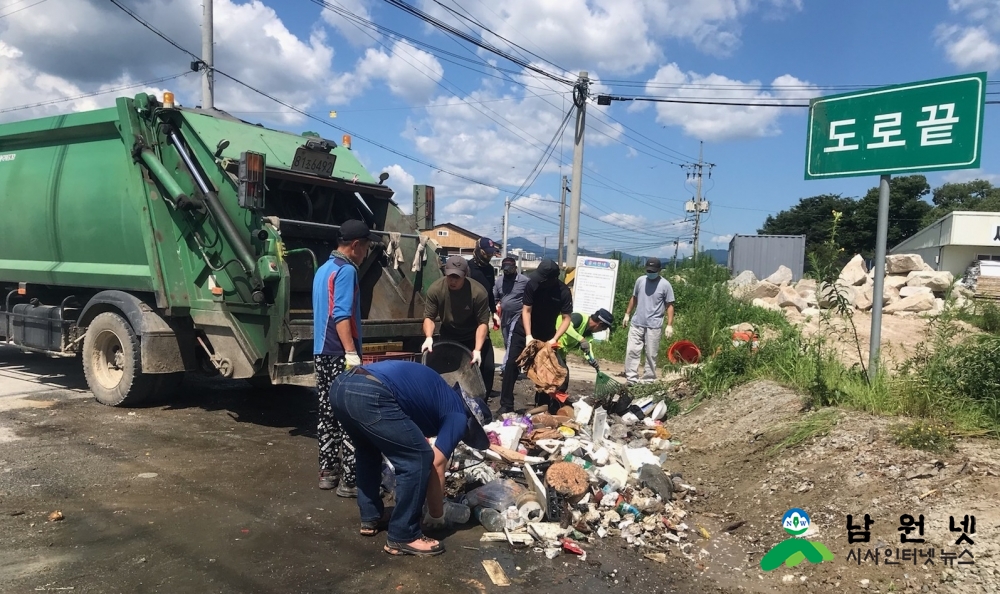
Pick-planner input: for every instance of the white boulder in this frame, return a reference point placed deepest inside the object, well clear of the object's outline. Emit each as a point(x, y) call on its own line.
point(936, 281)
point(782, 275)
point(854, 273)
point(789, 297)
point(914, 303)
point(766, 304)
point(806, 284)
point(909, 291)
point(895, 281)
point(827, 297)
point(763, 290)
point(903, 263)
point(863, 301)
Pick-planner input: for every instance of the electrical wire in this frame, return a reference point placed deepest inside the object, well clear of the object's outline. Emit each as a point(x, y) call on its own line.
point(19, 9)
point(96, 93)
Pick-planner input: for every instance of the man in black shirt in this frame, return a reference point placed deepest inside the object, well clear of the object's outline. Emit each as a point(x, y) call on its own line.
point(545, 297)
point(481, 269)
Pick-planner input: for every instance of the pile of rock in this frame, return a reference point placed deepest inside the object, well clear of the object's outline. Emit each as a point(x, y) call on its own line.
point(911, 287)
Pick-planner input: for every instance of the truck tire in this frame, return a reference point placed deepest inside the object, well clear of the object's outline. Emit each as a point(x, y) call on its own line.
point(112, 362)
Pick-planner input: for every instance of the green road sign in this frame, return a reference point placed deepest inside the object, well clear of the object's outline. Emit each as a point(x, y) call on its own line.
point(922, 126)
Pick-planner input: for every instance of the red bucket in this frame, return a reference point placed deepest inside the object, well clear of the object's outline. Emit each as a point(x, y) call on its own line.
point(683, 351)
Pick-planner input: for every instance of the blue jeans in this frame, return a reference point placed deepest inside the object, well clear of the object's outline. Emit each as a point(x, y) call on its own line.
point(377, 425)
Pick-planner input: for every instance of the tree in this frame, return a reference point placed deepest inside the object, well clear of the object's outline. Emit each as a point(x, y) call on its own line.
point(810, 217)
point(978, 195)
point(907, 209)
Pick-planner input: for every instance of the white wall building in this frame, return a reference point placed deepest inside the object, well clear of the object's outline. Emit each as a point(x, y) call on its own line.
point(955, 241)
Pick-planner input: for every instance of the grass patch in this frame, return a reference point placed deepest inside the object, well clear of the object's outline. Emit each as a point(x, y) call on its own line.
point(817, 424)
point(922, 435)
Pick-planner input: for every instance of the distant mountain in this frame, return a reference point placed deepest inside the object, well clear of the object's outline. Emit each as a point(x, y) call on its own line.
point(720, 256)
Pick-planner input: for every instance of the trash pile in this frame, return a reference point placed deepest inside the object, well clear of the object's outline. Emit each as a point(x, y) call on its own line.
point(590, 471)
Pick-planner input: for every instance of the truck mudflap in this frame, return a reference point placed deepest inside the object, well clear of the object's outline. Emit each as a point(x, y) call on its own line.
point(300, 373)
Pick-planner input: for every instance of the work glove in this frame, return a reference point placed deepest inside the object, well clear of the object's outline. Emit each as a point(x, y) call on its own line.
point(554, 343)
point(625, 320)
point(496, 322)
point(351, 360)
point(477, 358)
point(529, 339)
point(432, 523)
point(593, 363)
point(585, 346)
point(668, 331)
point(428, 345)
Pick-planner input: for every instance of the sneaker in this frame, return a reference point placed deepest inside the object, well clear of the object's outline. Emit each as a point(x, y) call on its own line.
point(327, 480)
point(347, 490)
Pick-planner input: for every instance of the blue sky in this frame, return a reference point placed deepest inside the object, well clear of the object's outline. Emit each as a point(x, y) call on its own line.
point(491, 122)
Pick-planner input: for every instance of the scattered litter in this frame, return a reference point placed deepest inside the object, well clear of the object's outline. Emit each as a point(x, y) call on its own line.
point(56, 516)
point(147, 475)
point(658, 557)
point(495, 572)
point(733, 526)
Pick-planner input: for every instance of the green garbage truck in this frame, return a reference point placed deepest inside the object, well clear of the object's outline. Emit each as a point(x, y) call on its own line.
point(151, 240)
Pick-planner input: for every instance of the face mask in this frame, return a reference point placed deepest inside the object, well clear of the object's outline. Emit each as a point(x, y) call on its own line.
point(652, 275)
point(509, 270)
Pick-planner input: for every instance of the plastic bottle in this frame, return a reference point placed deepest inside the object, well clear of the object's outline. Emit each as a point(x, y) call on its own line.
point(490, 518)
point(581, 462)
point(456, 513)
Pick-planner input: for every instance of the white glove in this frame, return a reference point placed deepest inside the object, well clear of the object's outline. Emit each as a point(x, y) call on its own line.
point(428, 345)
point(554, 343)
point(585, 345)
point(477, 358)
point(668, 331)
point(529, 339)
point(625, 320)
point(496, 320)
point(351, 360)
point(432, 523)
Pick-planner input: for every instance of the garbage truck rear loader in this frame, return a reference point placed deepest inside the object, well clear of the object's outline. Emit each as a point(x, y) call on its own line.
point(151, 240)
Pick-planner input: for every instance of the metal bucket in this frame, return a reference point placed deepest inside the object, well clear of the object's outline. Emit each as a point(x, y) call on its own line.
point(453, 362)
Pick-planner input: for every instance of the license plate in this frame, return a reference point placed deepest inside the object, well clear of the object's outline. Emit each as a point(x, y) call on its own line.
point(314, 162)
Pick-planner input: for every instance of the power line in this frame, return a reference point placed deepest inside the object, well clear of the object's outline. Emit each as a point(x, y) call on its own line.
point(96, 93)
point(19, 9)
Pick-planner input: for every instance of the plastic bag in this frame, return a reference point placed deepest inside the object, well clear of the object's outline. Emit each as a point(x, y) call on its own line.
point(498, 495)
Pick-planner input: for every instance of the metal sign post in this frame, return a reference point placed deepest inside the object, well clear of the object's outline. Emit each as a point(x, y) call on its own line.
point(930, 125)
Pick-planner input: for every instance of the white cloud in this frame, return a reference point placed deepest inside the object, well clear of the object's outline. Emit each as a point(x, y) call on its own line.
point(723, 122)
point(625, 220)
point(537, 203)
point(85, 44)
point(410, 73)
point(975, 45)
point(611, 35)
point(402, 183)
point(357, 35)
point(969, 47)
point(964, 175)
point(463, 206)
point(722, 238)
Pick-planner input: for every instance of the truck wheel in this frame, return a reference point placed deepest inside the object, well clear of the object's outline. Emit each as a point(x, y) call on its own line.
point(112, 362)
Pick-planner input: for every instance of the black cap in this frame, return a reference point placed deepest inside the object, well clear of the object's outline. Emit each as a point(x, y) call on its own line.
point(653, 265)
point(352, 229)
point(547, 269)
point(488, 245)
point(603, 316)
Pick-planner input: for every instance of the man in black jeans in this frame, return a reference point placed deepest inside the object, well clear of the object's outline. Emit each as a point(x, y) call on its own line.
point(545, 298)
point(463, 308)
point(481, 270)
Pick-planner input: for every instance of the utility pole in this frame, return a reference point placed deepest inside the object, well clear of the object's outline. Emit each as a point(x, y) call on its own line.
point(698, 206)
point(506, 225)
point(208, 58)
point(580, 92)
point(677, 245)
point(562, 221)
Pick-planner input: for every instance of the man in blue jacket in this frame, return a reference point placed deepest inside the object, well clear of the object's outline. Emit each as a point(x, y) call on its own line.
point(337, 346)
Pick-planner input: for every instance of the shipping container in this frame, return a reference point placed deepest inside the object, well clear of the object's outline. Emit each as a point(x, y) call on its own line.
point(763, 254)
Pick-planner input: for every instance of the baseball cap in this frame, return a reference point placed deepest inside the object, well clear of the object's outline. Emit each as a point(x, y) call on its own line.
point(547, 269)
point(352, 229)
point(604, 316)
point(653, 265)
point(488, 245)
point(456, 265)
point(477, 414)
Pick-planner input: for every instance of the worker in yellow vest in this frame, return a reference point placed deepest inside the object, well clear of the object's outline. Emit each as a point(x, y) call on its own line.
point(581, 327)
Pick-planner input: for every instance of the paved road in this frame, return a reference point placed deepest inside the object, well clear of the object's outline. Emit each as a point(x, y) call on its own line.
point(215, 491)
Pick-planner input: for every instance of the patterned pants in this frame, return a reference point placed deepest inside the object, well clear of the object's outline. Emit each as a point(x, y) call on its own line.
point(336, 452)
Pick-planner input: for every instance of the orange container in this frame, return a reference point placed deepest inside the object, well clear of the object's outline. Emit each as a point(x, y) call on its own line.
point(683, 351)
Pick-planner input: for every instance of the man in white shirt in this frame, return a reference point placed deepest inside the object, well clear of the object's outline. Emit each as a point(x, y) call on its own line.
point(651, 297)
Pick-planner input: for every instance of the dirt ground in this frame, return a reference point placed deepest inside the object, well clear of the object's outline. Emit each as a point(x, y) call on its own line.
point(215, 492)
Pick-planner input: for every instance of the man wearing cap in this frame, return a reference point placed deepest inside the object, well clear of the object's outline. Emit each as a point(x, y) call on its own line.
point(481, 270)
point(581, 328)
point(391, 408)
point(508, 292)
point(651, 296)
point(337, 346)
point(464, 311)
point(545, 298)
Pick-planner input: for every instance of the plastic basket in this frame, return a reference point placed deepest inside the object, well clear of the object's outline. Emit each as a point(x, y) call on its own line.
point(453, 362)
point(367, 358)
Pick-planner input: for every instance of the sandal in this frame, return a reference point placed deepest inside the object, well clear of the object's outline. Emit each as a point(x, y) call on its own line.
point(371, 528)
point(398, 548)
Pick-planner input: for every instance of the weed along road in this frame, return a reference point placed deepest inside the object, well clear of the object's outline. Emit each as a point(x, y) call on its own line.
point(215, 491)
